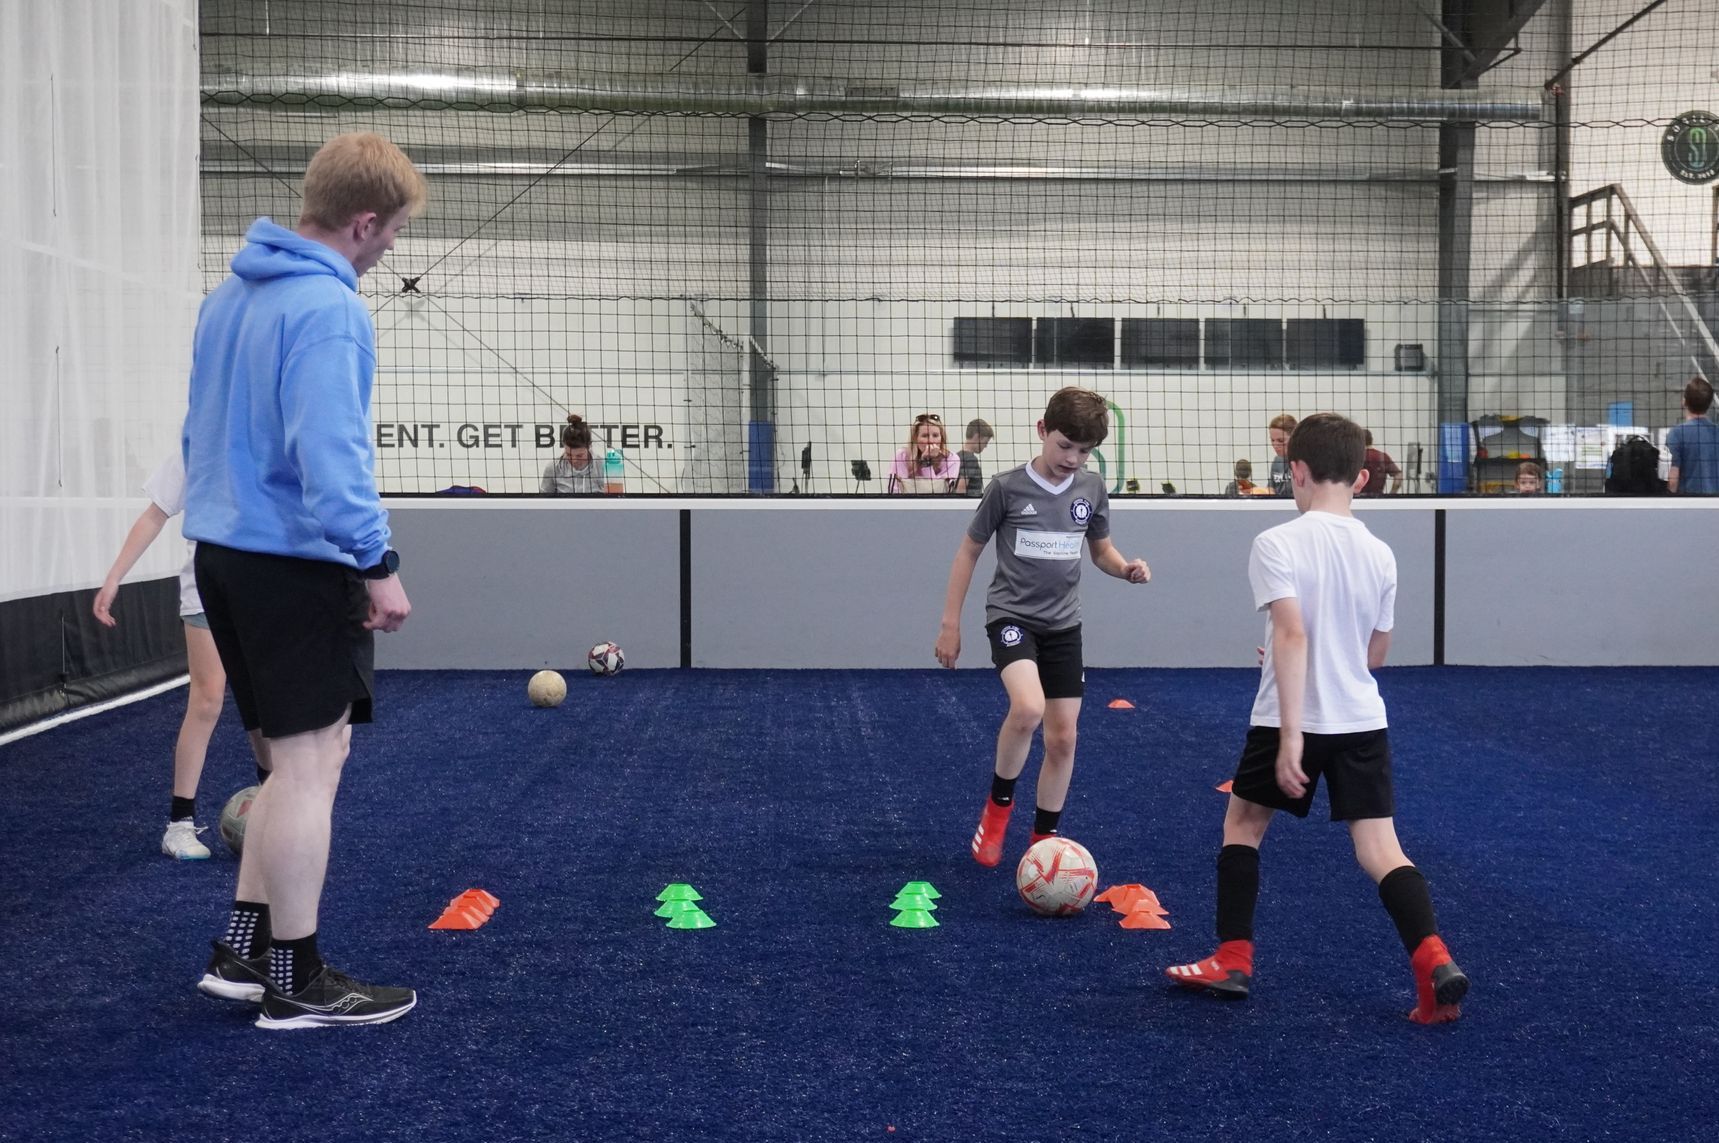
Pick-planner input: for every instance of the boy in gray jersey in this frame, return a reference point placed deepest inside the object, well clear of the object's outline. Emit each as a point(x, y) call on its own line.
point(1040, 513)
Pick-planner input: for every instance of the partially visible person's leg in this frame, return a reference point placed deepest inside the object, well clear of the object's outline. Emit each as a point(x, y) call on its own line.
point(1440, 984)
point(1062, 719)
point(203, 702)
point(1014, 741)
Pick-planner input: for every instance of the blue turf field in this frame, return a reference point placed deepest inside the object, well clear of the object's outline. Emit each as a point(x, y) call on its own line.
point(1562, 816)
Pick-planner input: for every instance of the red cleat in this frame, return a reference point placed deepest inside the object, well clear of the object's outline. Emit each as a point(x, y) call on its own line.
point(988, 838)
point(1439, 984)
point(1038, 837)
point(1227, 973)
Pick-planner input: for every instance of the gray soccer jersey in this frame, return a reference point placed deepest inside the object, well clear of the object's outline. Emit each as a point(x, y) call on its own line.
point(1039, 528)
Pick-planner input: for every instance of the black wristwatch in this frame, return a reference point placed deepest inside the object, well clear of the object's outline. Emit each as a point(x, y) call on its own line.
point(385, 567)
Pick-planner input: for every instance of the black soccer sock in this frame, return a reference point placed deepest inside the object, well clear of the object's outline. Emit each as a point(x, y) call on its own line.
point(293, 963)
point(1238, 891)
point(1003, 790)
point(1407, 899)
point(248, 929)
point(1045, 821)
point(184, 809)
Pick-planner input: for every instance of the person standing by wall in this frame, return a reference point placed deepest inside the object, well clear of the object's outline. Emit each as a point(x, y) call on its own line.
point(293, 559)
point(1278, 430)
point(1694, 444)
point(971, 482)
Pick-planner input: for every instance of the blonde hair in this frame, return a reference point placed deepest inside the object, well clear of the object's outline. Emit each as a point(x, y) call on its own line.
point(360, 173)
point(914, 461)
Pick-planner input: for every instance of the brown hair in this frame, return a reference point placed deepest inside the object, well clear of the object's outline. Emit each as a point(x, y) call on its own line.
point(1698, 395)
point(575, 433)
point(1244, 469)
point(359, 173)
point(977, 427)
point(1282, 421)
point(1528, 466)
point(1331, 446)
point(1079, 414)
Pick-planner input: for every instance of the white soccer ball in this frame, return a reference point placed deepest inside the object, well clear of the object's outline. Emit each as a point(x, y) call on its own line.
point(1057, 877)
point(606, 659)
point(546, 688)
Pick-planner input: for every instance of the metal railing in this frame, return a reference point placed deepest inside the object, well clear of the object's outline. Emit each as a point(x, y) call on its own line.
point(1606, 231)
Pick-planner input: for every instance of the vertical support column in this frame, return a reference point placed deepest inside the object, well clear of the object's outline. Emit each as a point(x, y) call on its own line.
point(1455, 242)
point(761, 410)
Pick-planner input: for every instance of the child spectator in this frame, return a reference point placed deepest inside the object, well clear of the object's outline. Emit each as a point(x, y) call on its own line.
point(1277, 430)
point(1243, 484)
point(1527, 479)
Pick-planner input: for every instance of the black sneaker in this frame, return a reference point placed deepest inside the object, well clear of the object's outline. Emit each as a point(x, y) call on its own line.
point(332, 997)
point(232, 977)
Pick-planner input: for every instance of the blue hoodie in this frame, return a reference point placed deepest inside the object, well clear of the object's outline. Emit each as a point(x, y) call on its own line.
point(278, 456)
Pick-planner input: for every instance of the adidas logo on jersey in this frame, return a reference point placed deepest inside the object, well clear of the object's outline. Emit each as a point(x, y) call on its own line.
point(1029, 510)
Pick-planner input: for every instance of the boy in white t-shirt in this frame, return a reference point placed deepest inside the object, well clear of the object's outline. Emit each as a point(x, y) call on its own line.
point(1329, 587)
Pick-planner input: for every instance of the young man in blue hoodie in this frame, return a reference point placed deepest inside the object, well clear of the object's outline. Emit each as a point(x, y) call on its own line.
point(293, 561)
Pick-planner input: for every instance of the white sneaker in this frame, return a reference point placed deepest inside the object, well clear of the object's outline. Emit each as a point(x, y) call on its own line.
point(180, 841)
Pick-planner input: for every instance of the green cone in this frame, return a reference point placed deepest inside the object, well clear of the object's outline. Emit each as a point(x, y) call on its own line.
point(694, 918)
point(670, 908)
point(679, 891)
point(914, 919)
point(922, 888)
point(915, 902)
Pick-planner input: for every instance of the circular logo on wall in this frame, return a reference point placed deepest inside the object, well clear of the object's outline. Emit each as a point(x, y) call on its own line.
point(1690, 147)
point(1081, 510)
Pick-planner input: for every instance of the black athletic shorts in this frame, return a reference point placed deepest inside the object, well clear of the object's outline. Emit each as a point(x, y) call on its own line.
point(1062, 674)
point(291, 636)
point(1357, 770)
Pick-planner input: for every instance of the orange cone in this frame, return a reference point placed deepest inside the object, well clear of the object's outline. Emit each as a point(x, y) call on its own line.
point(1121, 704)
point(1144, 919)
point(458, 919)
point(489, 901)
point(1226, 787)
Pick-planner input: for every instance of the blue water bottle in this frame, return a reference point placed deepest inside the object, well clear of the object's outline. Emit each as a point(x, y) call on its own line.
point(1555, 482)
point(612, 472)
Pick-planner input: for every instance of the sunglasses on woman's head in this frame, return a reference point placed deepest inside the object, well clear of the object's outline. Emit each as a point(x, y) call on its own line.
point(923, 418)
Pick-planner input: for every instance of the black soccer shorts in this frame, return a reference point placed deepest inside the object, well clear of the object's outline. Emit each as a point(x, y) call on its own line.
point(1356, 767)
point(291, 636)
point(1062, 672)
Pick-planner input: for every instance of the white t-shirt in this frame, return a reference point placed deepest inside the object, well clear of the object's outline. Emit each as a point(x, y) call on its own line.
point(1345, 579)
point(166, 490)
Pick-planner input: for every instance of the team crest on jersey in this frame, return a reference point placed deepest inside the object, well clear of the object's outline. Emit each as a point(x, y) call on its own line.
point(1010, 635)
point(1081, 510)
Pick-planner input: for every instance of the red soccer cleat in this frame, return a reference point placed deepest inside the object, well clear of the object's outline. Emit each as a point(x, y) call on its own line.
point(988, 838)
point(1227, 973)
point(1038, 837)
point(1439, 984)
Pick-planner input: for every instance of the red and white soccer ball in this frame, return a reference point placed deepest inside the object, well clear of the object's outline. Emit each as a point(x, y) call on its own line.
point(606, 659)
point(1057, 877)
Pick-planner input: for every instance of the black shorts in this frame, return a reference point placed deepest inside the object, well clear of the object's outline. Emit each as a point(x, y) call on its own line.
point(1062, 674)
point(291, 636)
point(1357, 769)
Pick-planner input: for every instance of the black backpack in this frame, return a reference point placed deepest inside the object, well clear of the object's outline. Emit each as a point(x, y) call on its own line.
point(1634, 468)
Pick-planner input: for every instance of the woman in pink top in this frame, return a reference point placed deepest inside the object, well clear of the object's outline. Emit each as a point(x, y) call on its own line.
point(925, 465)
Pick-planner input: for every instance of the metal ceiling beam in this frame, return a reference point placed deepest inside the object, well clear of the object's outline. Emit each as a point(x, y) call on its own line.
point(763, 95)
